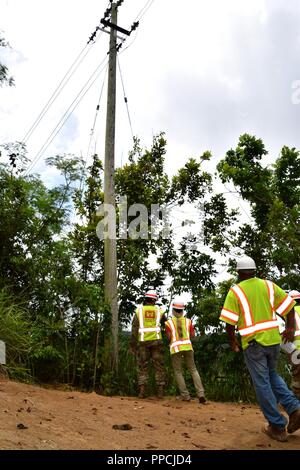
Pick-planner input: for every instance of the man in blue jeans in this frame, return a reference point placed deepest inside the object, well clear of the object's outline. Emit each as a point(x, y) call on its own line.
point(251, 305)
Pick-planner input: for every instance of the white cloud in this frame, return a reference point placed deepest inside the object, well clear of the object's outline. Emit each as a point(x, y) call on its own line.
point(202, 71)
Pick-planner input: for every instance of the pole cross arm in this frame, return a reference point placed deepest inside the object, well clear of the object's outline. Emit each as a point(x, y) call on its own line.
point(114, 26)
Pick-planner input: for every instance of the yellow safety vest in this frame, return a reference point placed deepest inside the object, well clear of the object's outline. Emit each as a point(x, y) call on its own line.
point(180, 344)
point(251, 305)
point(149, 317)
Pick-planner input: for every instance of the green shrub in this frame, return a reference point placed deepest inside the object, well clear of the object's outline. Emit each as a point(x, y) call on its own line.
point(48, 364)
point(15, 332)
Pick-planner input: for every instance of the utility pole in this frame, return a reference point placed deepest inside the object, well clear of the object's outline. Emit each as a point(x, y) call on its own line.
point(110, 20)
point(110, 244)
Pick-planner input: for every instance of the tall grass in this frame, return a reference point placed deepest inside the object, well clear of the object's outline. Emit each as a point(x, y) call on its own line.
point(15, 332)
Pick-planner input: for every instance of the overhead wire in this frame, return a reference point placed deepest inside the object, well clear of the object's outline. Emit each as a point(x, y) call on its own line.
point(68, 112)
point(81, 186)
point(125, 99)
point(78, 98)
point(64, 81)
point(144, 10)
point(96, 114)
point(140, 15)
point(239, 199)
point(130, 44)
point(55, 130)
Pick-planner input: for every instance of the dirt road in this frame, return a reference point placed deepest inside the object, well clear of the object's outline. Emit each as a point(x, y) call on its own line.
point(33, 417)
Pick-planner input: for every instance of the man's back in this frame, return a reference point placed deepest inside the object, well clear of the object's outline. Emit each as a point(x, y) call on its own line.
point(251, 305)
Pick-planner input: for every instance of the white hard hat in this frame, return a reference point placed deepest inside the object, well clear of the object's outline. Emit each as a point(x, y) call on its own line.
point(178, 303)
point(294, 294)
point(245, 263)
point(151, 294)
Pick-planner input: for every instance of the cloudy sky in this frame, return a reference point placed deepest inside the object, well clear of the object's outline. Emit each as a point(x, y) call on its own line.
point(202, 71)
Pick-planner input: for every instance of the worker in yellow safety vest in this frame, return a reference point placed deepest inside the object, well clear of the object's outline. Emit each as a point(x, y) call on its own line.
point(179, 330)
point(295, 354)
point(146, 342)
point(251, 305)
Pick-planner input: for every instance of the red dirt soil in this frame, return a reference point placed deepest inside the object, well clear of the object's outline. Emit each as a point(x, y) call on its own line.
point(35, 418)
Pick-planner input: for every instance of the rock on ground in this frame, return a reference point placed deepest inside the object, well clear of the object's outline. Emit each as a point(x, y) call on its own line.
point(34, 417)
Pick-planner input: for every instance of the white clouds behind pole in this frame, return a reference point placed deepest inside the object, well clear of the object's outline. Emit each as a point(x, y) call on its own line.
point(202, 71)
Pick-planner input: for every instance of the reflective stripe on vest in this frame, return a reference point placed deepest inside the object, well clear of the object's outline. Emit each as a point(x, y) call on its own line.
point(240, 294)
point(143, 330)
point(252, 327)
point(284, 305)
point(180, 342)
point(261, 326)
point(176, 343)
point(230, 315)
point(271, 293)
point(297, 318)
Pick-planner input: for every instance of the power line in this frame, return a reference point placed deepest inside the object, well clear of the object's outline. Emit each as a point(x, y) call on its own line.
point(46, 144)
point(82, 184)
point(68, 113)
point(125, 100)
point(144, 10)
point(106, 22)
point(239, 199)
point(66, 78)
point(96, 116)
point(138, 18)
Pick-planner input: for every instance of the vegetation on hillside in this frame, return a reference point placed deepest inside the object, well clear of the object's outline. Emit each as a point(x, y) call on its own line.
point(53, 317)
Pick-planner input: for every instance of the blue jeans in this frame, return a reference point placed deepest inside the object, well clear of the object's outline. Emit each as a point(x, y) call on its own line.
point(270, 388)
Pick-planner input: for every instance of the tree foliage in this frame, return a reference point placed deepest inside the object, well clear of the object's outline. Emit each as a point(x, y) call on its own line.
point(52, 263)
point(272, 192)
point(5, 79)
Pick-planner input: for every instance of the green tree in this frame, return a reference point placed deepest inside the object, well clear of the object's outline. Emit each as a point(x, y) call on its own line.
point(5, 79)
point(144, 180)
point(35, 257)
point(272, 192)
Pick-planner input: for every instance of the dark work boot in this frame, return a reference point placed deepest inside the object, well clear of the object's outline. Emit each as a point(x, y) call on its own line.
point(294, 422)
point(142, 391)
point(275, 433)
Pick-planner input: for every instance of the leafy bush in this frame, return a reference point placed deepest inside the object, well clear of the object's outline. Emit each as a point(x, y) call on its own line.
point(223, 372)
point(48, 363)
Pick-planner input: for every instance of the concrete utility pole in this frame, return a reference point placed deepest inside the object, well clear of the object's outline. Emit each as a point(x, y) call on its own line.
point(110, 245)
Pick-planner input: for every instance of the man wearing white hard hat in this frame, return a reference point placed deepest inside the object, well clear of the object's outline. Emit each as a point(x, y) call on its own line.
point(146, 342)
point(295, 357)
point(251, 305)
point(179, 330)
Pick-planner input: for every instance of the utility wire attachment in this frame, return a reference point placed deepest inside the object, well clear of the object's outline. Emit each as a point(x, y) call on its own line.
point(93, 36)
point(114, 26)
point(107, 12)
point(106, 23)
point(125, 100)
point(134, 26)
